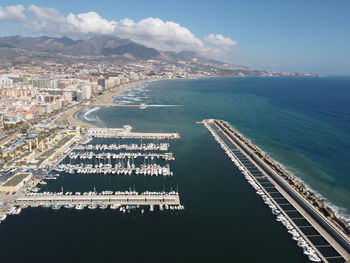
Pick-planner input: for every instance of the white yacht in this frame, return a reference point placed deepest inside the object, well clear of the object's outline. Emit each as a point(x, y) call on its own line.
point(92, 206)
point(102, 206)
point(79, 207)
point(3, 217)
point(11, 210)
point(17, 211)
point(115, 206)
point(56, 207)
point(314, 258)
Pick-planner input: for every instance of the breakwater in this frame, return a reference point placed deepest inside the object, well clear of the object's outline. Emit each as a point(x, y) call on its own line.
point(311, 223)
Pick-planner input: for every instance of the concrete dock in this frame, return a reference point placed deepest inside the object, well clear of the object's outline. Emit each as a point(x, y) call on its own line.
point(330, 241)
point(127, 133)
point(139, 199)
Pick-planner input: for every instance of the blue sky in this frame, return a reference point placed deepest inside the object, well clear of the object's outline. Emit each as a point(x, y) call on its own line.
point(304, 36)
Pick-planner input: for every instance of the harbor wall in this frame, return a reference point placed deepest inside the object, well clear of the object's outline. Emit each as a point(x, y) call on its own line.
point(320, 219)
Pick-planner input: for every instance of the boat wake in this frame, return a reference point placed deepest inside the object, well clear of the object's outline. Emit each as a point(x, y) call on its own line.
point(160, 105)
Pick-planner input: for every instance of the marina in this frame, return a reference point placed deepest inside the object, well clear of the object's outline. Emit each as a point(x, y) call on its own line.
point(114, 153)
point(107, 155)
point(130, 147)
point(320, 239)
point(118, 169)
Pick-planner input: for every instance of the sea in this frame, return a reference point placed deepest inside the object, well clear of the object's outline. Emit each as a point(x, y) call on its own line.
point(301, 122)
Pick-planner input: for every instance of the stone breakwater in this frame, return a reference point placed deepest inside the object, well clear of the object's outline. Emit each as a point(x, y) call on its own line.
point(300, 187)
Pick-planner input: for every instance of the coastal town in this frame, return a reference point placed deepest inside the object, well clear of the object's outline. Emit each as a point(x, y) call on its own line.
point(36, 100)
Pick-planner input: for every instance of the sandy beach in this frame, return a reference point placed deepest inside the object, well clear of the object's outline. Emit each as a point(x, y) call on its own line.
point(105, 99)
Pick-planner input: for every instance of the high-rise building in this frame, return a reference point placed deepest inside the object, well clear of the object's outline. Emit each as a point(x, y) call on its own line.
point(86, 90)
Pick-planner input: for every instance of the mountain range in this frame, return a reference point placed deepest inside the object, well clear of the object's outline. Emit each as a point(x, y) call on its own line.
point(108, 46)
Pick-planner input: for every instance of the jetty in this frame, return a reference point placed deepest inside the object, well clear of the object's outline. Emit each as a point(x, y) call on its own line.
point(121, 199)
point(322, 235)
point(123, 155)
point(125, 133)
point(128, 147)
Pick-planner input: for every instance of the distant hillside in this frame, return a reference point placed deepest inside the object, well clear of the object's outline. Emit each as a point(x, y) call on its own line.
point(106, 46)
point(95, 46)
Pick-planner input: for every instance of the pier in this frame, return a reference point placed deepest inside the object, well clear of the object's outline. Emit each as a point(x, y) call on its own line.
point(322, 238)
point(107, 155)
point(126, 132)
point(100, 199)
point(128, 147)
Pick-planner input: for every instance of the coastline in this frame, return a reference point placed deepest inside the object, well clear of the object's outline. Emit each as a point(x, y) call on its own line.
point(70, 117)
point(105, 100)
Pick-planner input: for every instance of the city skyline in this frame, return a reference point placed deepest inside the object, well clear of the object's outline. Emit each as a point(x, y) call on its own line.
point(298, 36)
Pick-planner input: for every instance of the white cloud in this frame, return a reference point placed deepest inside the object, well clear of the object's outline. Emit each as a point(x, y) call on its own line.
point(12, 13)
point(153, 32)
point(220, 40)
point(165, 35)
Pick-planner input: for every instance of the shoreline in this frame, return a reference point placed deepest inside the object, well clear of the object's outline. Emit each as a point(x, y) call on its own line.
point(71, 118)
point(105, 100)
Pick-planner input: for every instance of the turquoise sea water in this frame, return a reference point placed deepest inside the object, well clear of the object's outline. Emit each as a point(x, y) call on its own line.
point(303, 123)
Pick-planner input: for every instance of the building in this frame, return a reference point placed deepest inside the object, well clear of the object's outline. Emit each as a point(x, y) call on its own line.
point(86, 90)
point(80, 95)
point(14, 183)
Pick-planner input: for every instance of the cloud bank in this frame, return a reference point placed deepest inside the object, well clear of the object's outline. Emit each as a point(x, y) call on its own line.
point(12, 13)
point(152, 32)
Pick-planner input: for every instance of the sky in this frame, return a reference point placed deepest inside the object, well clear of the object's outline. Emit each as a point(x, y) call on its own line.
point(289, 35)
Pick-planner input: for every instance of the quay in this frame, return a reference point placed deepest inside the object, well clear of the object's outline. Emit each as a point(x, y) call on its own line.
point(126, 132)
point(320, 233)
point(107, 155)
point(127, 147)
point(115, 199)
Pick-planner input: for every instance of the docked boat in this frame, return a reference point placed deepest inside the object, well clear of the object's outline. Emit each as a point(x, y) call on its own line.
point(314, 258)
point(92, 206)
point(56, 207)
point(114, 206)
point(68, 206)
point(11, 210)
point(2, 218)
point(102, 206)
point(79, 207)
point(17, 211)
